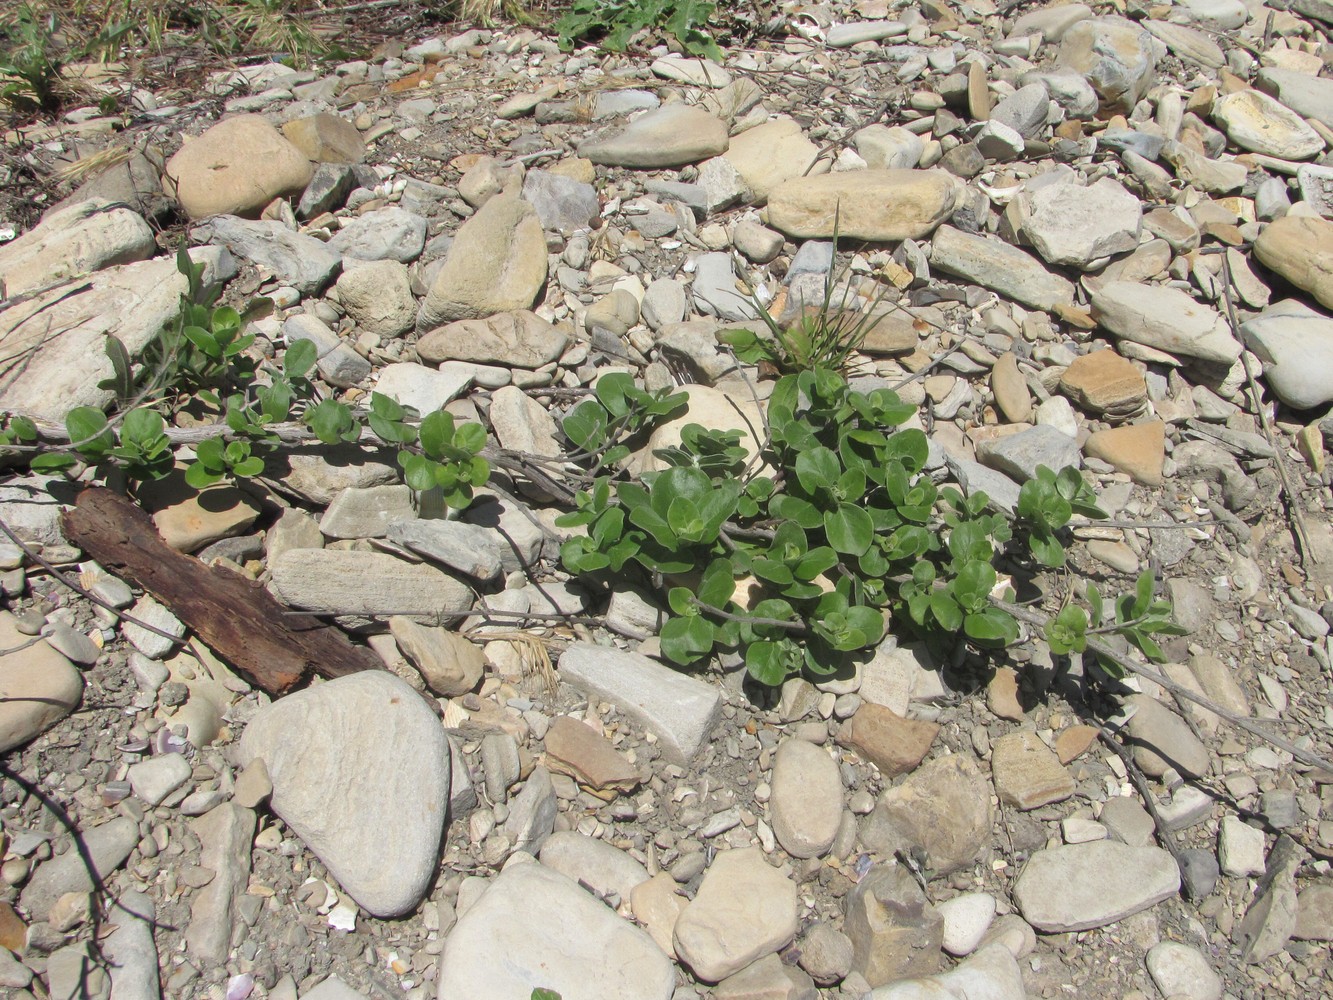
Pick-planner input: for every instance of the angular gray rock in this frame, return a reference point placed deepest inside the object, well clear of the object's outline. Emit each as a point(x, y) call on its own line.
point(385, 234)
point(131, 949)
point(1000, 267)
point(1079, 226)
point(564, 204)
point(101, 851)
point(1080, 886)
point(1020, 455)
point(225, 833)
point(293, 258)
point(1115, 55)
point(365, 583)
point(566, 941)
point(467, 548)
point(680, 711)
point(717, 292)
point(348, 734)
point(670, 136)
point(1295, 344)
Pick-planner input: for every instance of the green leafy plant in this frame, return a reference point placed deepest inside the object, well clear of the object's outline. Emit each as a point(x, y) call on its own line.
point(615, 23)
point(543, 994)
point(797, 558)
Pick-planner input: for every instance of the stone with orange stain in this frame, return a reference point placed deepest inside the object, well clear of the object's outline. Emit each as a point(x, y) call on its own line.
point(892, 743)
point(1074, 742)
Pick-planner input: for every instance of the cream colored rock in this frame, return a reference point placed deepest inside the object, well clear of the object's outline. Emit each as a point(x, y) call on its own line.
point(236, 168)
point(518, 339)
point(1262, 124)
point(378, 295)
point(879, 205)
point(1167, 319)
point(497, 264)
point(74, 241)
point(326, 138)
point(744, 909)
point(1301, 250)
point(38, 686)
point(671, 136)
point(131, 303)
point(770, 154)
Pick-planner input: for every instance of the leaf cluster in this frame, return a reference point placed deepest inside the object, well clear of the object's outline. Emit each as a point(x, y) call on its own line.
point(613, 24)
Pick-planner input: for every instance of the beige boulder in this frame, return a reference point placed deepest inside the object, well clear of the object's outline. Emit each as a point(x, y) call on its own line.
point(497, 264)
point(521, 339)
point(38, 686)
point(77, 240)
point(879, 205)
point(326, 138)
point(236, 168)
point(769, 154)
point(1301, 250)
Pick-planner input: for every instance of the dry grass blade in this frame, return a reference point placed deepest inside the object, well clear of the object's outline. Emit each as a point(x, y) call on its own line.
point(90, 166)
point(533, 653)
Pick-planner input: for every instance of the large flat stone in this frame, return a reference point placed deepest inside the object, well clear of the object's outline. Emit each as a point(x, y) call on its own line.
point(77, 240)
point(350, 735)
point(680, 711)
point(565, 940)
point(671, 136)
point(1080, 886)
point(45, 376)
point(366, 583)
point(880, 205)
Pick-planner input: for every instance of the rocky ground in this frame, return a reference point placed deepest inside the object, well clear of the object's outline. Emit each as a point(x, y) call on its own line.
point(1052, 210)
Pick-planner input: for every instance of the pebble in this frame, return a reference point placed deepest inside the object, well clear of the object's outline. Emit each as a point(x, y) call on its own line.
point(967, 918)
point(806, 798)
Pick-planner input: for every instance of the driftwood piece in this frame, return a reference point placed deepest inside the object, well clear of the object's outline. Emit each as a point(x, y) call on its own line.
point(235, 617)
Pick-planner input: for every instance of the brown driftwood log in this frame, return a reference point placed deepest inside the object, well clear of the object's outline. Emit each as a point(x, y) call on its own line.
point(235, 617)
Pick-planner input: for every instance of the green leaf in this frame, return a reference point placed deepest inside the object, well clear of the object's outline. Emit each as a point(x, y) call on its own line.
point(249, 467)
point(946, 611)
point(681, 601)
point(686, 640)
point(544, 994)
point(770, 662)
point(199, 477)
point(470, 436)
point(718, 583)
point(616, 391)
point(436, 433)
point(849, 529)
point(585, 426)
point(418, 471)
point(973, 584)
point(795, 509)
point(991, 628)
point(1046, 548)
point(909, 447)
point(299, 358)
point(52, 461)
point(817, 468)
point(88, 432)
point(330, 421)
point(1095, 603)
point(143, 425)
point(1143, 588)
